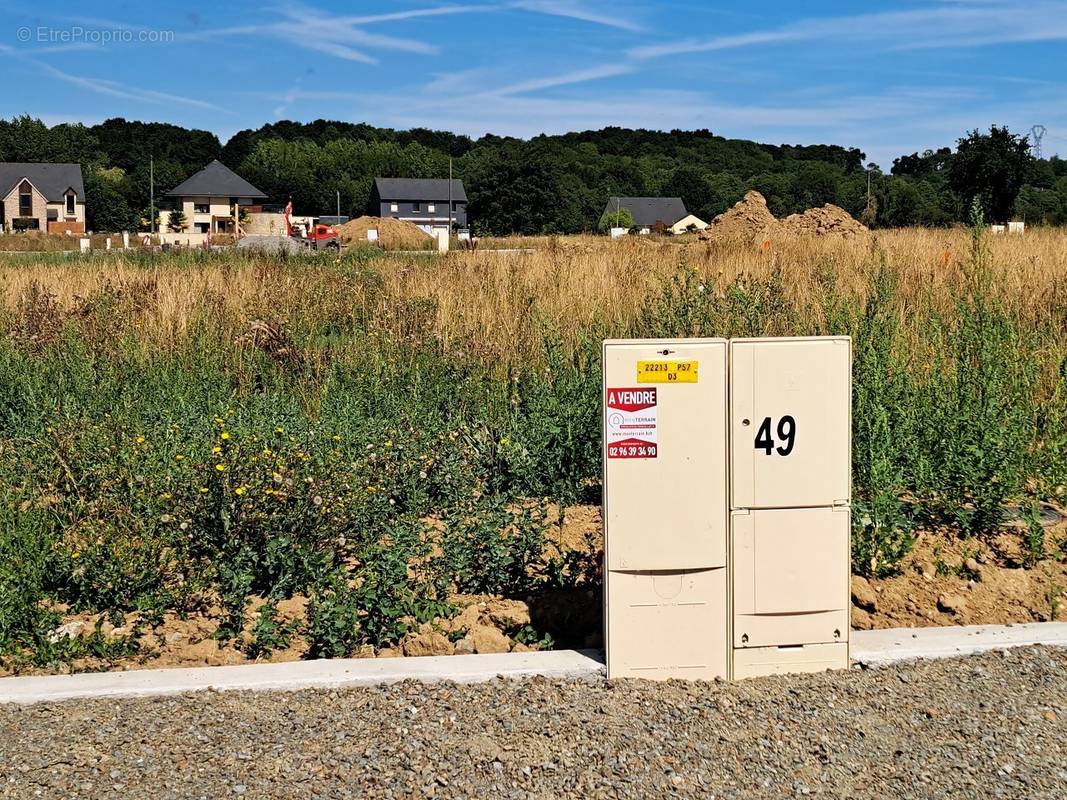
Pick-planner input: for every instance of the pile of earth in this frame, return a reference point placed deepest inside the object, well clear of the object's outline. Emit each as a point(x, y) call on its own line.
point(750, 221)
point(830, 220)
point(393, 234)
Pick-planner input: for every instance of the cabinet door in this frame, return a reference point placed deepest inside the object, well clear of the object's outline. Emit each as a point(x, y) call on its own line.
point(665, 503)
point(790, 422)
point(667, 624)
point(790, 576)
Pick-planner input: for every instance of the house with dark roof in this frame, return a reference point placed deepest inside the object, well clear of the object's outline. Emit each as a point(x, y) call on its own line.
point(208, 199)
point(424, 201)
point(44, 197)
point(651, 212)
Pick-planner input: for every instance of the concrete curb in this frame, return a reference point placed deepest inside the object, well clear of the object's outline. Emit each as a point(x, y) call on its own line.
point(293, 675)
point(895, 645)
point(869, 648)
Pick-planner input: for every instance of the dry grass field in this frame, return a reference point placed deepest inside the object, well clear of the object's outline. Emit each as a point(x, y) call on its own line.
point(579, 282)
point(234, 434)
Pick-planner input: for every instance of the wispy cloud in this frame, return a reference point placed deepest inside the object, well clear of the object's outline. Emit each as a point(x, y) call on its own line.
point(414, 13)
point(968, 23)
point(564, 79)
point(116, 89)
point(341, 36)
point(581, 11)
point(108, 87)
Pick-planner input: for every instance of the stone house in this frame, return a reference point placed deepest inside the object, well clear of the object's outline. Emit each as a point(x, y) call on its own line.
point(42, 197)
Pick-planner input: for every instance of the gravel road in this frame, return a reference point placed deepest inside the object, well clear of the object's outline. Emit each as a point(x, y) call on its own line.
point(985, 726)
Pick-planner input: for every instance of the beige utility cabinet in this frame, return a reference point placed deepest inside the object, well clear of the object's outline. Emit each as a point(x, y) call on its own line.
point(790, 401)
point(790, 459)
point(665, 508)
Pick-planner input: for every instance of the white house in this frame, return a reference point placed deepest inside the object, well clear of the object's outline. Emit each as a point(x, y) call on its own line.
point(208, 198)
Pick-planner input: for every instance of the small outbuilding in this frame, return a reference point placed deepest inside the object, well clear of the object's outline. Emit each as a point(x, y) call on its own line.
point(688, 223)
point(649, 213)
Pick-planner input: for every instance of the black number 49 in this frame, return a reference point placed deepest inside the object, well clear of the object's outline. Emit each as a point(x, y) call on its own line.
point(787, 427)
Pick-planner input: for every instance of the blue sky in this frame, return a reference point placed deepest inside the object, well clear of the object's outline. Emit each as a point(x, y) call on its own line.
point(888, 77)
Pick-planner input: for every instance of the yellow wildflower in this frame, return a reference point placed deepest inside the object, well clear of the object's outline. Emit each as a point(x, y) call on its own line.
point(140, 440)
point(220, 467)
point(224, 435)
point(179, 457)
point(239, 490)
point(216, 449)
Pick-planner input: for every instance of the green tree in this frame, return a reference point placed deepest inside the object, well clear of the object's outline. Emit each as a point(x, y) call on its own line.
point(177, 221)
point(23, 139)
point(106, 207)
point(726, 189)
point(1043, 206)
point(525, 188)
point(622, 218)
point(991, 168)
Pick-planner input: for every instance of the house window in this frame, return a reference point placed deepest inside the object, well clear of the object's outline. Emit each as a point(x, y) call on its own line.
point(394, 207)
point(202, 227)
point(418, 207)
point(25, 200)
point(70, 205)
point(455, 206)
point(202, 208)
point(431, 208)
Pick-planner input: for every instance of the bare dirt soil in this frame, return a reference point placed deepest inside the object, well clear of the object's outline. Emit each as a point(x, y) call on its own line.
point(393, 234)
point(829, 220)
point(945, 580)
point(749, 221)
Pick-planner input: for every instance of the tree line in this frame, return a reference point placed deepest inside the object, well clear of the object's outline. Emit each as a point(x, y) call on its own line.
point(550, 184)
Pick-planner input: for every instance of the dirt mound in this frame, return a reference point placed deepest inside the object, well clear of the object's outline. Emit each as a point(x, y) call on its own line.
point(830, 220)
point(749, 220)
point(393, 234)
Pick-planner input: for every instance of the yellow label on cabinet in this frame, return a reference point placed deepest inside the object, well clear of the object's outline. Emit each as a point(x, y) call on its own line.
point(666, 371)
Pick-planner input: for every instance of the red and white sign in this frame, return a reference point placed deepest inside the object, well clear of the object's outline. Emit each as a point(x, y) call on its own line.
point(631, 423)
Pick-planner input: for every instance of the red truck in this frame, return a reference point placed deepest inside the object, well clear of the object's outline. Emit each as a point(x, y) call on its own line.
point(317, 237)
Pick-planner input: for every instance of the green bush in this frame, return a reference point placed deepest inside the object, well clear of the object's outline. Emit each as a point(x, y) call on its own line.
point(882, 394)
point(379, 599)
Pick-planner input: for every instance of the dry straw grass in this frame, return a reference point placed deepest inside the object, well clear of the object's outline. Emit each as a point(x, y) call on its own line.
point(494, 301)
point(578, 282)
